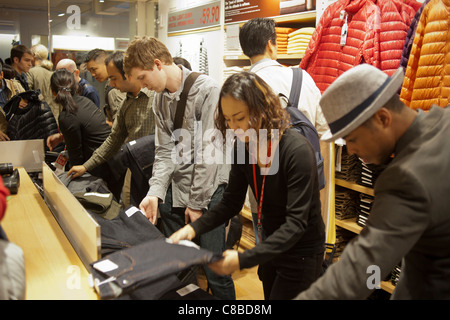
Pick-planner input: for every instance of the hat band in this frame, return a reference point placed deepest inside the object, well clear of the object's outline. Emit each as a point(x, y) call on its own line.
point(340, 123)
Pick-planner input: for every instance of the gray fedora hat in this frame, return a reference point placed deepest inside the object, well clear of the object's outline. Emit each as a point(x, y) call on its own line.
point(355, 96)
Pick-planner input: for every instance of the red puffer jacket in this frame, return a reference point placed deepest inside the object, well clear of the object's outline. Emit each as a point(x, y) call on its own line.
point(376, 35)
point(427, 75)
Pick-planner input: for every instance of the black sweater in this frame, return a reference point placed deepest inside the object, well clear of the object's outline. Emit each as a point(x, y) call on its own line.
point(84, 131)
point(291, 211)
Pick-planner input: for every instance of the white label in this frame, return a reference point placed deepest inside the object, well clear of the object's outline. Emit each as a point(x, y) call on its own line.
point(105, 265)
point(188, 289)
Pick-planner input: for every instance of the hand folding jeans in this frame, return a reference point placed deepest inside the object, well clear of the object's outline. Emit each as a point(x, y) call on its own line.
point(144, 264)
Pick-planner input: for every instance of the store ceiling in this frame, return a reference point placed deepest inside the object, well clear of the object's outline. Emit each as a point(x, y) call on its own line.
point(56, 5)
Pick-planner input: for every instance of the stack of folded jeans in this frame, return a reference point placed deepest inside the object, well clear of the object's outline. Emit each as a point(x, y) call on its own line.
point(346, 203)
point(151, 265)
point(365, 205)
point(350, 168)
point(369, 174)
point(343, 237)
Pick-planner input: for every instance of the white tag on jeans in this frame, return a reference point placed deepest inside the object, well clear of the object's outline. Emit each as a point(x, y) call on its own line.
point(105, 265)
point(132, 211)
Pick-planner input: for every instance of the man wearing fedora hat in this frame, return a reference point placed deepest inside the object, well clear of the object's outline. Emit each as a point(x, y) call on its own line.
point(410, 216)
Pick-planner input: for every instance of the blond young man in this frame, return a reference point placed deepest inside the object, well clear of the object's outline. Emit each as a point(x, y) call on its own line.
point(181, 190)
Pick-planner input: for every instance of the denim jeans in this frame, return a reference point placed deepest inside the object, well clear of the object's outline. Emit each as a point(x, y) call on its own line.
point(172, 219)
point(126, 230)
point(152, 263)
point(285, 276)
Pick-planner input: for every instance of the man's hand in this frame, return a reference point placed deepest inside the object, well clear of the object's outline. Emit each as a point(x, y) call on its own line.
point(149, 206)
point(227, 265)
point(192, 215)
point(185, 233)
point(76, 171)
point(3, 136)
point(54, 140)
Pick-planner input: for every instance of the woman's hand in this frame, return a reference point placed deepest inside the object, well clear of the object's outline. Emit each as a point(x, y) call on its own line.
point(227, 265)
point(185, 233)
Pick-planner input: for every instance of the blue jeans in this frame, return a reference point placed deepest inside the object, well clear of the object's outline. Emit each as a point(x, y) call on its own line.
point(172, 219)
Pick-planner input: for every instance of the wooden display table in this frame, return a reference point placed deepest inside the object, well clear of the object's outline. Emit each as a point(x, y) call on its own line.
point(53, 268)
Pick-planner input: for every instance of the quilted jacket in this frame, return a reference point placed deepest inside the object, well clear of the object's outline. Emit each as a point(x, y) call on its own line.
point(376, 35)
point(427, 75)
point(35, 121)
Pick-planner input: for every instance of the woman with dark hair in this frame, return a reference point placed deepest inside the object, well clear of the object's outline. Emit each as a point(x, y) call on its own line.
point(82, 125)
point(280, 167)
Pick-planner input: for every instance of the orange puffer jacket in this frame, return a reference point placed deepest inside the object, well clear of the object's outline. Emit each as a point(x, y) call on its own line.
point(427, 75)
point(376, 35)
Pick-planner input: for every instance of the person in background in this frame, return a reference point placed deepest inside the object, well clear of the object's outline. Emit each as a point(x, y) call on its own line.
point(21, 61)
point(183, 62)
point(258, 39)
point(410, 218)
point(12, 260)
point(85, 89)
point(285, 182)
point(182, 189)
point(134, 119)
point(82, 125)
point(8, 89)
point(114, 98)
point(39, 77)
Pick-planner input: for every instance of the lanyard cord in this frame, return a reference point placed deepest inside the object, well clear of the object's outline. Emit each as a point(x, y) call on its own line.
point(260, 202)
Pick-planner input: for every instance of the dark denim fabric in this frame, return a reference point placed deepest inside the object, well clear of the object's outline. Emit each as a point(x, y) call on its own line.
point(126, 231)
point(287, 275)
point(173, 219)
point(145, 264)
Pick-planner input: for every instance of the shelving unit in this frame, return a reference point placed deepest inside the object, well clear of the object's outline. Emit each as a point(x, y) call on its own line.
point(351, 225)
point(297, 20)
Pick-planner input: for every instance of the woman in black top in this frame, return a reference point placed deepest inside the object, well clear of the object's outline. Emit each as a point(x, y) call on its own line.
point(285, 183)
point(82, 125)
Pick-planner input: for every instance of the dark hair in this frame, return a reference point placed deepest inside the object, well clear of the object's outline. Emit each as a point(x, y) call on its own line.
point(18, 51)
point(264, 105)
point(117, 59)
point(95, 54)
point(254, 35)
point(8, 71)
point(63, 84)
point(183, 62)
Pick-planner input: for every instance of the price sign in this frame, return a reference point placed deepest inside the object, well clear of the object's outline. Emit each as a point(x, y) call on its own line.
point(195, 18)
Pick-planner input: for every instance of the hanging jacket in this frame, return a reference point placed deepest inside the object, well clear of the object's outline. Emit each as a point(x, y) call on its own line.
point(325, 59)
point(376, 35)
point(396, 17)
point(35, 121)
point(427, 75)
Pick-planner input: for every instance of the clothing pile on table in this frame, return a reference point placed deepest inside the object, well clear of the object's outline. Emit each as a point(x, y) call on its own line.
point(126, 234)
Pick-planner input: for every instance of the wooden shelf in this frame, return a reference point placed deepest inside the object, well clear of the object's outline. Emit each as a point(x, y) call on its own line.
point(349, 224)
point(354, 186)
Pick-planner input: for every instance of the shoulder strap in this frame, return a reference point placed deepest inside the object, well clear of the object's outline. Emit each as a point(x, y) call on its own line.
point(181, 105)
point(297, 78)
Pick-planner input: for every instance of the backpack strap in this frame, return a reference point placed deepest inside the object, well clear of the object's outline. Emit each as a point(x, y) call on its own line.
point(181, 105)
point(297, 78)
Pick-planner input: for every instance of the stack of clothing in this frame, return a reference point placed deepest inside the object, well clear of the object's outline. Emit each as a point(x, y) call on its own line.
point(350, 168)
point(298, 40)
point(346, 203)
point(365, 205)
point(282, 39)
point(395, 274)
point(369, 174)
point(343, 237)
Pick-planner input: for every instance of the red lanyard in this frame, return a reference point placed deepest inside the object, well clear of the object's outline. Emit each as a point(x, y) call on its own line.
point(262, 195)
